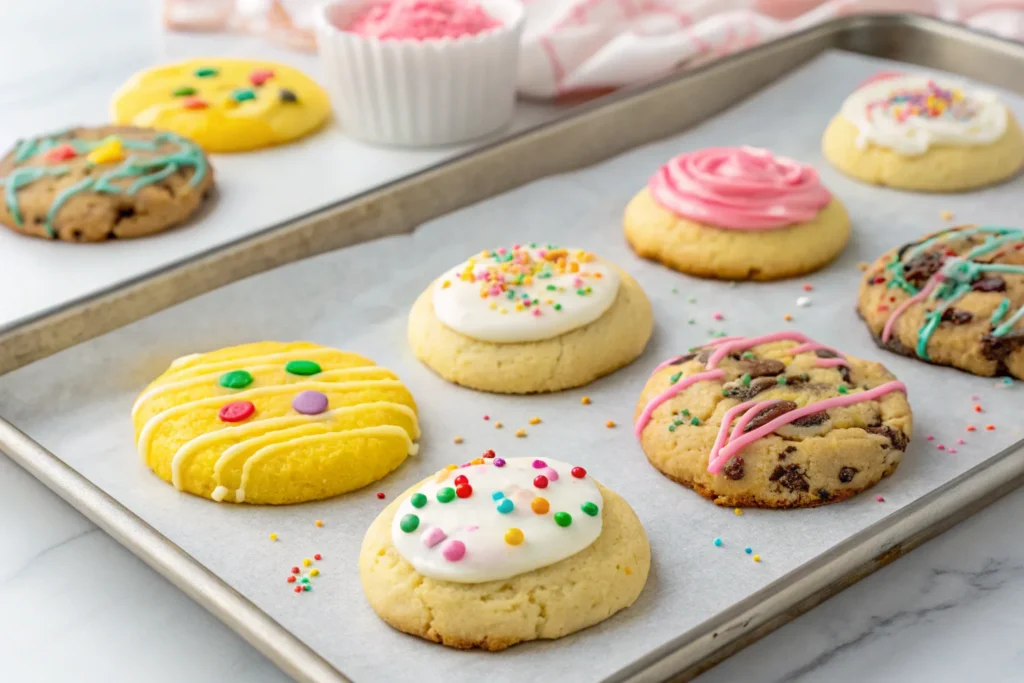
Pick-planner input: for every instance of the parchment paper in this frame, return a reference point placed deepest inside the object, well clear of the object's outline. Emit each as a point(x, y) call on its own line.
point(77, 403)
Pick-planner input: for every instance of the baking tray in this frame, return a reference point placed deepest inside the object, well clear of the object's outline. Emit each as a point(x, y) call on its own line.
point(793, 590)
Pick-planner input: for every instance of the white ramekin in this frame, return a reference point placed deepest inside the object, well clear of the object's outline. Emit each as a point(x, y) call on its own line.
point(420, 93)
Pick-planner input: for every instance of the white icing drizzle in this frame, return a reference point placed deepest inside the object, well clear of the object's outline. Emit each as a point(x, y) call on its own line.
point(975, 117)
point(564, 289)
point(477, 524)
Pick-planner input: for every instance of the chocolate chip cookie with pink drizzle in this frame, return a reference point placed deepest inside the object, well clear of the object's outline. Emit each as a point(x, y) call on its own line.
point(737, 213)
point(778, 421)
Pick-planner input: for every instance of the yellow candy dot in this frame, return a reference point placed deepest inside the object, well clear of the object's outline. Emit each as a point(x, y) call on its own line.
point(757, 558)
point(535, 420)
point(513, 536)
point(110, 150)
point(520, 433)
point(737, 511)
point(319, 522)
point(273, 537)
point(306, 562)
point(314, 572)
point(540, 505)
point(446, 284)
point(476, 461)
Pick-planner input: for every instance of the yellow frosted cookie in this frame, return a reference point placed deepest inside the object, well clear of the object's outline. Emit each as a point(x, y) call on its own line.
point(274, 423)
point(918, 133)
point(737, 213)
point(225, 105)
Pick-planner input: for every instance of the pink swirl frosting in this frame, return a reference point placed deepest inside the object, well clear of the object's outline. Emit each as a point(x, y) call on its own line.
point(743, 188)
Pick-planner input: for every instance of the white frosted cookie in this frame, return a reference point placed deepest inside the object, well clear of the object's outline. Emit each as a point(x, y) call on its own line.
point(437, 560)
point(531, 318)
point(916, 132)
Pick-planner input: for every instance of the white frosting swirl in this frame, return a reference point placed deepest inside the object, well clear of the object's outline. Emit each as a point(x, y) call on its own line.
point(525, 294)
point(910, 114)
point(468, 540)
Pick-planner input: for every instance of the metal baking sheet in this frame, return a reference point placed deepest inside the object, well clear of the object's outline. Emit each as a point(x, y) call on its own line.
point(700, 601)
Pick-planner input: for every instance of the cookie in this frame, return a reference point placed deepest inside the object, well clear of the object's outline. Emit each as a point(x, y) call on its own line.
point(95, 184)
point(225, 105)
point(914, 132)
point(530, 319)
point(737, 213)
point(499, 552)
point(776, 421)
point(274, 423)
point(955, 297)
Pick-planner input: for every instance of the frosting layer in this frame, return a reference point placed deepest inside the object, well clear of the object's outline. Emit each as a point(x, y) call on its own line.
point(743, 188)
point(526, 293)
point(497, 518)
point(910, 114)
point(422, 20)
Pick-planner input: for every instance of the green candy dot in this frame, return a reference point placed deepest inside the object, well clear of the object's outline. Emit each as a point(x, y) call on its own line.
point(302, 367)
point(671, 428)
point(677, 423)
point(307, 588)
point(747, 355)
point(581, 292)
point(206, 72)
point(418, 500)
point(745, 379)
point(675, 378)
point(305, 579)
point(563, 518)
point(695, 421)
point(551, 288)
point(843, 389)
point(236, 379)
point(183, 91)
point(446, 495)
point(685, 411)
point(409, 523)
point(781, 381)
point(589, 508)
point(243, 94)
point(558, 307)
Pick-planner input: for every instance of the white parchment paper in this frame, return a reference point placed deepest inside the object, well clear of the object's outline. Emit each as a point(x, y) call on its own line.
point(77, 402)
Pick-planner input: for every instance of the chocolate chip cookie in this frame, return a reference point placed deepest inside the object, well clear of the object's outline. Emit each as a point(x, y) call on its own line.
point(774, 421)
point(94, 184)
point(955, 297)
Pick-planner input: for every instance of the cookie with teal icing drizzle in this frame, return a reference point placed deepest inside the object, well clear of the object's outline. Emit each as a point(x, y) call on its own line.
point(955, 297)
point(95, 184)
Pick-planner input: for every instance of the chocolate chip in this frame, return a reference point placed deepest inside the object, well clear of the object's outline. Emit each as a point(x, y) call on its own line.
point(763, 367)
point(745, 393)
point(825, 353)
point(1000, 348)
point(846, 474)
point(790, 476)
point(993, 283)
point(734, 468)
point(811, 420)
point(823, 494)
point(793, 380)
point(918, 270)
point(896, 437)
point(704, 355)
point(844, 372)
point(956, 316)
point(766, 415)
point(683, 359)
point(287, 95)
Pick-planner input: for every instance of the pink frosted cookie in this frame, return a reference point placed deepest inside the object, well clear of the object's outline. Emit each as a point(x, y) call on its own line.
point(737, 213)
point(422, 20)
point(773, 421)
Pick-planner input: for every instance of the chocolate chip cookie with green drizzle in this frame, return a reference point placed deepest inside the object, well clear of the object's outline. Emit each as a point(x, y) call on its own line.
point(954, 298)
point(94, 184)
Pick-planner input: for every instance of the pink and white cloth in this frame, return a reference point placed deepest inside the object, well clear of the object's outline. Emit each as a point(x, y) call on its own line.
point(579, 46)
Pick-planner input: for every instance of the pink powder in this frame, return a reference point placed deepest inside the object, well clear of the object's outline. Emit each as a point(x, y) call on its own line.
point(422, 20)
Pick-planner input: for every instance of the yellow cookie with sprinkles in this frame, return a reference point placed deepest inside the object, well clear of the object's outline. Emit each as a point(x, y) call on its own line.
point(274, 423)
point(225, 105)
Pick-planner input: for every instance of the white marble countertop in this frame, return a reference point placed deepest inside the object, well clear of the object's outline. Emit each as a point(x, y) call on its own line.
point(76, 606)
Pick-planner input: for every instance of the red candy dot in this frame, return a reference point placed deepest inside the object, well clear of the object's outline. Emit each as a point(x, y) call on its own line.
point(578, 472)
point(317, 557)
point(194, 103)
point(61, 153)
point(291, 579)
point(236, 412)
point(380, 496)
point(298, 589)
point(295, 570)
point(540, 481)
point(260, 76)
point(463, 490)
point(461, 480)
point(489, 453)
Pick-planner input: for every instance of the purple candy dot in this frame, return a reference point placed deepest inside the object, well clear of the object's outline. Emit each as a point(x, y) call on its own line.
point(454, 551)
point(310, 403)
point(499, 462)
point(539, 464)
